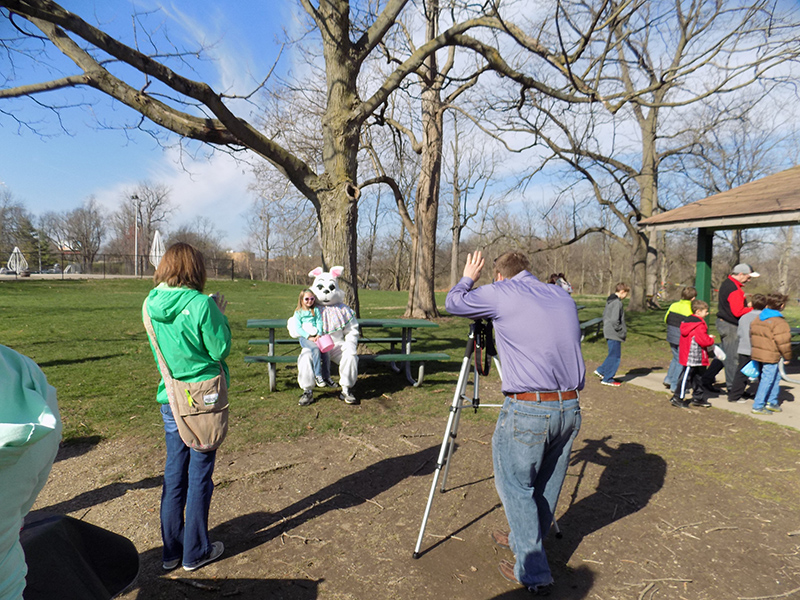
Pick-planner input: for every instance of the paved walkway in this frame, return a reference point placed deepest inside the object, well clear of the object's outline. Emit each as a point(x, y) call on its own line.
point(789, 396)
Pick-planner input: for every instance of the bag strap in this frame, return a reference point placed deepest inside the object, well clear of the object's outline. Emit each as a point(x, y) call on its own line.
point(162, 364)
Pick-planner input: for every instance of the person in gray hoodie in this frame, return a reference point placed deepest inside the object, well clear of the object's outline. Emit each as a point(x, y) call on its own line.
point(30, 431)
point(615, 331)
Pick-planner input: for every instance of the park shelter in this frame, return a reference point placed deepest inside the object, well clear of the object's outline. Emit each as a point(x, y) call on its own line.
point(772, 201)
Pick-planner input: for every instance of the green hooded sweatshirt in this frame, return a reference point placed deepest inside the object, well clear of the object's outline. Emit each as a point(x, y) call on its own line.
point(30, 431)
point(192, 333)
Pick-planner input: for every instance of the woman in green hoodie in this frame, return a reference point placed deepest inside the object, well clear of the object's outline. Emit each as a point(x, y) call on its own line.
point(193, 334)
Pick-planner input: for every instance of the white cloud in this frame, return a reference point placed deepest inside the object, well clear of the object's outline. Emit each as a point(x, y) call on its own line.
point(215, 188)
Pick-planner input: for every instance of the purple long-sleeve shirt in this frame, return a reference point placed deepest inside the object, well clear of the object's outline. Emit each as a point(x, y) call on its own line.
point(538, 334)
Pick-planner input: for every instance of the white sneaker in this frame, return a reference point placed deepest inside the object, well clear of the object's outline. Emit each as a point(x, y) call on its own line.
point(319, 381)
point(217, 548)
point(348, 397)
point(597, 374)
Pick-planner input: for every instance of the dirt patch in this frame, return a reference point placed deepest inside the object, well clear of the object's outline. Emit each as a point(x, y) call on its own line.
point(658, 503)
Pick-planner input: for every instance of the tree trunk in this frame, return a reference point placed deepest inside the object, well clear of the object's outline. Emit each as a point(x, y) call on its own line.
point(644, 255)
point(336, 191)
point(422, 301)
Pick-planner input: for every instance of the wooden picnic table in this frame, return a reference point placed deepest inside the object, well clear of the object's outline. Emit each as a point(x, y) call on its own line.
point(405, 357)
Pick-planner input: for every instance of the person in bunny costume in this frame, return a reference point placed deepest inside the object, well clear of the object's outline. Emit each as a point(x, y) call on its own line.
point(338, 321)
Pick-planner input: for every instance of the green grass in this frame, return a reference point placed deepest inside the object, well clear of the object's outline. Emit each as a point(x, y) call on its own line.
point(88, 337)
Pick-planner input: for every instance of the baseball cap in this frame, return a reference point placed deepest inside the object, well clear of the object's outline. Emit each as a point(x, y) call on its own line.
point(745, 269)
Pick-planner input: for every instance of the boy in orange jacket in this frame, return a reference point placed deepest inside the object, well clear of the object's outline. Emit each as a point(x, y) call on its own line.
point(693, 356)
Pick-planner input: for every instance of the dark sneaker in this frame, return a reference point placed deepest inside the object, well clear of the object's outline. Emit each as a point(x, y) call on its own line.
point(307, 398)
point(773, 408)
point(760, 411)
point(613, 383)
point(500, 538)
point(348, 397)
point(677, 402)
point(217, 548)
point(737, 400)
point(168, 565)
point(319, 381)
point(329, 382)
point(701, 403)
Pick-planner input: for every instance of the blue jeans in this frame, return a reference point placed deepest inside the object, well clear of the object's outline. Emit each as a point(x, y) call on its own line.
point(530, 450)
point(610, 365)
point(674, 369)
point(187, 488)
point(768, 386)
point(321, 363)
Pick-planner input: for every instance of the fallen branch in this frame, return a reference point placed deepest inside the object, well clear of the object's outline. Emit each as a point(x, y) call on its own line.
point(361, 442)
point(649, 587)
point(719, 529)
point(196, 584)
point(784, 595)
point(305, 540)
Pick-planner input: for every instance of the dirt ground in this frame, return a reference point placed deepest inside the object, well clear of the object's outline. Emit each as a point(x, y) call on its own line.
point(658, 503)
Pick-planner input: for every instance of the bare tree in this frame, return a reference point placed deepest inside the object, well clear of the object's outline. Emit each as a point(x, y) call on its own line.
point(471, 171)
point(79, 231)
point(194, 110)
point(639, 66)
point(148, 205)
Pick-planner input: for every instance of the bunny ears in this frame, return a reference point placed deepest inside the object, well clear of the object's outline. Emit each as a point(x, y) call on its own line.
point(335, 272)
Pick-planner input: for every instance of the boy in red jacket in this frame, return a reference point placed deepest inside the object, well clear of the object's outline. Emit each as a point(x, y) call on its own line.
point(693, 356)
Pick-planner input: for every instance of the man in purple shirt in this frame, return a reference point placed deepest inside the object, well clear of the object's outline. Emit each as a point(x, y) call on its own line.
point(538, 343)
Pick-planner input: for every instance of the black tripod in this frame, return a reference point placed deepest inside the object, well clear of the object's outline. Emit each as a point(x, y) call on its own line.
point(480, 342)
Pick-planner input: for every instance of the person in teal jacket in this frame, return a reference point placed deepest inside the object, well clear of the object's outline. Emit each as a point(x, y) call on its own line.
point(194, 336)
point(30, 431)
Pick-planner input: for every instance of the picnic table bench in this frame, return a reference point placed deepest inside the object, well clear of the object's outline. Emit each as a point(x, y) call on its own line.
point(394, 358)
point(586, 326)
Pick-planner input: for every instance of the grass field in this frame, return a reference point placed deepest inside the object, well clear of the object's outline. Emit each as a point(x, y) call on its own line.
point(88, 337)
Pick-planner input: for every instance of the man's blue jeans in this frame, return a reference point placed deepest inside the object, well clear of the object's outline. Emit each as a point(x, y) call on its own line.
point(610, 365)
point(530, 449)
point(768, 386)
point(674, 370)
point(187, 487)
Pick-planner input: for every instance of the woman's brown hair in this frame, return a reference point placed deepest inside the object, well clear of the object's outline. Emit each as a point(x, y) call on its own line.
point(182, 266)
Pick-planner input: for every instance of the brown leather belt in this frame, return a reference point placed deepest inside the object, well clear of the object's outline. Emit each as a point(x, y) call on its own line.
point(545, 396)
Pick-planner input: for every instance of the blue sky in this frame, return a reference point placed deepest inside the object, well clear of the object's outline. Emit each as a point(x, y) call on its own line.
point(61, 170)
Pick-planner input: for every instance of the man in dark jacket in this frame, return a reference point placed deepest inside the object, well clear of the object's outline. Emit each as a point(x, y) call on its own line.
point(732, 305)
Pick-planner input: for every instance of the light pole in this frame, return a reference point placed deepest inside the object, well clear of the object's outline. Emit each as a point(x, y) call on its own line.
point(135, 199)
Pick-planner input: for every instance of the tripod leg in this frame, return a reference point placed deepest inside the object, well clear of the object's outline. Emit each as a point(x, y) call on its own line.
point(454, 432)
point(455, 409)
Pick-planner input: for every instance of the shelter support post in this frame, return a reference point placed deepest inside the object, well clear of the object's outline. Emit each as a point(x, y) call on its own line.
point(705, 245)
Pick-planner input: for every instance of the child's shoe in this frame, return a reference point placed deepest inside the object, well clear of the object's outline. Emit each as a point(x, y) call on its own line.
point(329, 382)
point(760, 411)
point(773, 408)
point(319, 381)
point(306, 398)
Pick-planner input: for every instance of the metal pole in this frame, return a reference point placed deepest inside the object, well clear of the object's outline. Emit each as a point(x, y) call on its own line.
point(135, 198)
